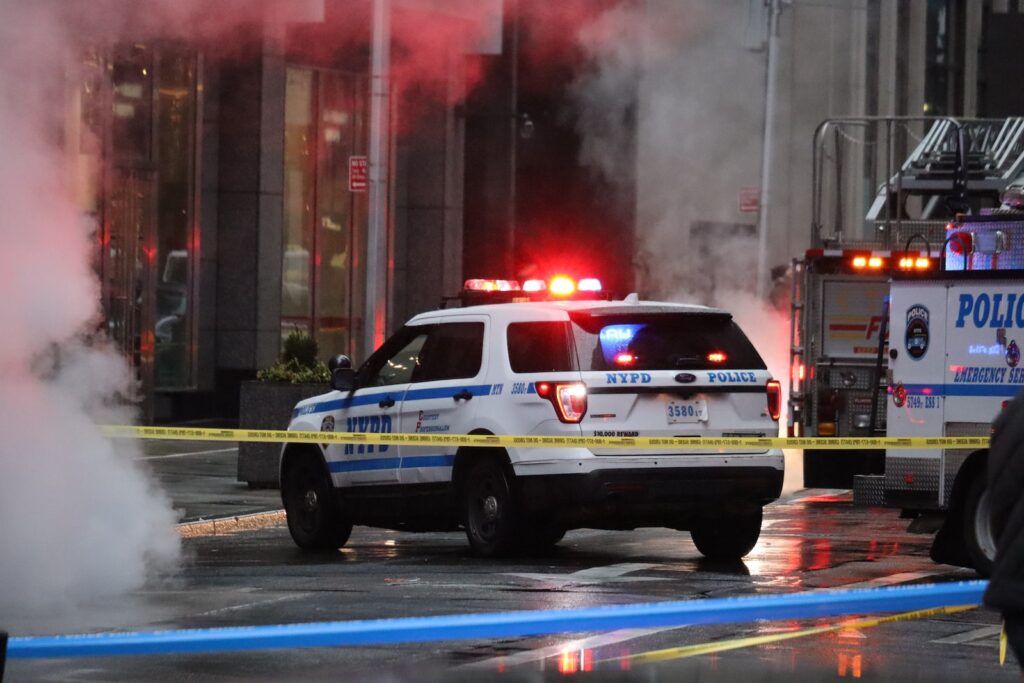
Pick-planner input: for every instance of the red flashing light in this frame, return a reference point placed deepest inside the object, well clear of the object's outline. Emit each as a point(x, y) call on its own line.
point(534, 286)
point(589, 284)
point(625, 359)
point(485, 285)
point(717, 357)
point(960, 242)
point(912, 263)
point(560, 285)
point(774, 391)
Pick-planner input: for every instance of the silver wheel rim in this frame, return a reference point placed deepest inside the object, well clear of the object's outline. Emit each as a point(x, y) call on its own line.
point(983, 527)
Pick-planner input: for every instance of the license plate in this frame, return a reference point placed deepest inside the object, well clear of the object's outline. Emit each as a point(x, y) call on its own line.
point(686, 411)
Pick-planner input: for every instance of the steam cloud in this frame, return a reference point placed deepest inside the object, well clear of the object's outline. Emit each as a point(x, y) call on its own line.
point(80, 519)
point(697, 139)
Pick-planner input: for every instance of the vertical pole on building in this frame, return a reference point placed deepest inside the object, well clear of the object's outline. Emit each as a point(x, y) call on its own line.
point(3, 653)
point(774, 10)
point(510, 256)
point(377, 230)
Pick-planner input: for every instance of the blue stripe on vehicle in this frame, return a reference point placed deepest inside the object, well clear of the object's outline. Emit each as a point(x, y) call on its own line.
point(364, 465)
point(407, 462)
point(1008, 390)
point(377, 397)
point(427, 461)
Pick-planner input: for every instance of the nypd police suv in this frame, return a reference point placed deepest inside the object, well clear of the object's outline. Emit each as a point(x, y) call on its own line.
point(542, 367)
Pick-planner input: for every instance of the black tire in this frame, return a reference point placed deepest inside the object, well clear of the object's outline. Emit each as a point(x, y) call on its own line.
point(729, 537)
point(315, 518)
point(489, 510)
point(979, 537)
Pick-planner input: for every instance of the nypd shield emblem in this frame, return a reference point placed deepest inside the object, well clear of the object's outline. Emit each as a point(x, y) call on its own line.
point(915, 339)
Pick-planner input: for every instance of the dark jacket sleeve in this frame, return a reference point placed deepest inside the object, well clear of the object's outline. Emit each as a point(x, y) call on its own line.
point(1006, 498)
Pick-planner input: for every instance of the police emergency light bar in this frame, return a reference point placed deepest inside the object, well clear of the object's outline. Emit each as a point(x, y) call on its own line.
point(488, 290)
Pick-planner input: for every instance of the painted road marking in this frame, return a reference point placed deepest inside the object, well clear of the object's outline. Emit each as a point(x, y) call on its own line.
point(751, 641)
point(970, 637)
point(593, 642)
point(612, 573)
point(892, 579)
point(258, 603)
point(214, 451)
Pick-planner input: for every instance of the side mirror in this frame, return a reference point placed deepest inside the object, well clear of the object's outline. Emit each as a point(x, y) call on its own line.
point(343, 379)
point(339, 361)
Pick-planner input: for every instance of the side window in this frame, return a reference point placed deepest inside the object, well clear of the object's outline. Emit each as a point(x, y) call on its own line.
point(453, 351)
point(395, 361)
point(539, 347)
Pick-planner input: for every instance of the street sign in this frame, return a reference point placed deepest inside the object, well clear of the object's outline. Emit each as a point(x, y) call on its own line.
point(357, 174)
point(750, 199)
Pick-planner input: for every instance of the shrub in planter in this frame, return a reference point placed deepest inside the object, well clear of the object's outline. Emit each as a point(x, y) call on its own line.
point(267, 404)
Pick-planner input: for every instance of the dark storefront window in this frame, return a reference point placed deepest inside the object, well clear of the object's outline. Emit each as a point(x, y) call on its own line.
point(324, 222)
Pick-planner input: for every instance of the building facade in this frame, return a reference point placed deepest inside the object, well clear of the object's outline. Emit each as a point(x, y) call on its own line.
point(227, 181)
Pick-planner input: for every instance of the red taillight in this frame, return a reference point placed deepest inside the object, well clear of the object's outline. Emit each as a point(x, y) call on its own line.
point(716, 357)
point(774, 390)
point(570, 399)
point(625, 359)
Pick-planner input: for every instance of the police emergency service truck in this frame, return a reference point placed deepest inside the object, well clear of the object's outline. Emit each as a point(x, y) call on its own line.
point(877, 183)
point(533, 366)
point(954, 361)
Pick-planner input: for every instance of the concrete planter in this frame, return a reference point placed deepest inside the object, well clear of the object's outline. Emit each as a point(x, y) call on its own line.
point(267, 405)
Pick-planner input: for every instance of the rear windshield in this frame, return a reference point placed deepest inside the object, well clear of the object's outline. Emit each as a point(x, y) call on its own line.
point(662, 341)
point(540, 347)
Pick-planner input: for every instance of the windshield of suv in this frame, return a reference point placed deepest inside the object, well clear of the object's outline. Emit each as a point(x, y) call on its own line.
point(662, 341)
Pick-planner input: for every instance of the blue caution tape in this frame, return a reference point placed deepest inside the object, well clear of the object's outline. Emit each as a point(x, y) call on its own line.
point(503, 625)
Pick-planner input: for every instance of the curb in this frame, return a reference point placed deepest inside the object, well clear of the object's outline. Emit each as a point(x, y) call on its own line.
point(222, 526)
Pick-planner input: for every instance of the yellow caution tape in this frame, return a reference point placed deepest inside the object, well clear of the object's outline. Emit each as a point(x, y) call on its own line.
point(738, 643)
point(487, 440)
point(1002, 645)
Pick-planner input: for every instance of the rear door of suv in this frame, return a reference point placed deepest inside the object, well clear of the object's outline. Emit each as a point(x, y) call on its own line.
point(665, 371)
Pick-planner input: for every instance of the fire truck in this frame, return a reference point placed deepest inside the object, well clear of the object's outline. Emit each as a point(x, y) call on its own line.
point(884, 190)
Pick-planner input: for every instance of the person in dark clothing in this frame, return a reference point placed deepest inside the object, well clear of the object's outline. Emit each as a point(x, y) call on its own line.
point(1005, 591)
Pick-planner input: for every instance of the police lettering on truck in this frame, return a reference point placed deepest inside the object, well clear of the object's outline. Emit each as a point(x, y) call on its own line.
point(555, 368)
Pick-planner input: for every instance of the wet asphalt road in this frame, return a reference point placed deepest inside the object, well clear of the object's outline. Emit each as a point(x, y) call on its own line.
point(249, 576)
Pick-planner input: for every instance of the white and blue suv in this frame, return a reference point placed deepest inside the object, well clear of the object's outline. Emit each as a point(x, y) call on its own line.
point(580, 368)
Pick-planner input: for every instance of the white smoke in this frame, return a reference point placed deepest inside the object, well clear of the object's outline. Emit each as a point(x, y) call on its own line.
point(80, 519)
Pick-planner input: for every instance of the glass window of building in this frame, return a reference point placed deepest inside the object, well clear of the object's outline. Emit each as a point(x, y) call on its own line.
point(323, 219)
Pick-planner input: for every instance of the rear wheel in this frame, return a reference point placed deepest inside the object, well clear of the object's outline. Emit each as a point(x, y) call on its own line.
point(728, 537)
point(315, 518)
point(492, 522)
point(979, 537)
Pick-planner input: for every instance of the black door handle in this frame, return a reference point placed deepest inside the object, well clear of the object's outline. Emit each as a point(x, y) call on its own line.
point(463, 395)
point(386, 402)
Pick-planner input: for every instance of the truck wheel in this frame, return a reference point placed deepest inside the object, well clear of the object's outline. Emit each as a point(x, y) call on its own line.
point(489, 512)
point(977, 524)
point(728, 538)
point(315, 519)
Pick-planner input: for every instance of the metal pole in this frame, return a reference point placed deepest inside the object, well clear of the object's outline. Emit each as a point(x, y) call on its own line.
point(510, 256)
point(774, 9)
point(377, 230)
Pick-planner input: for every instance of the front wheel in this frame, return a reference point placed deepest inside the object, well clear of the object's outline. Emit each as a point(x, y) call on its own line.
point(728, 537)
point(491, 519)
point(315, 518)
point(979, 537)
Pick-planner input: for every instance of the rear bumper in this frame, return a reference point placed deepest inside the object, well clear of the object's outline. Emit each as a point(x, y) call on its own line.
point(627, 498)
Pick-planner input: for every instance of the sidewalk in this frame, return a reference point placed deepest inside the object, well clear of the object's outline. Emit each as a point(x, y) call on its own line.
point(200, 478)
